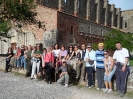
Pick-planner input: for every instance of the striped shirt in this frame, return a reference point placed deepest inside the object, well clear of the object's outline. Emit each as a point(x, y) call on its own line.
point(99, 59)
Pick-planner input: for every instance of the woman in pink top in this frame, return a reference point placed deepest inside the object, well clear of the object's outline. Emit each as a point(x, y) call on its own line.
point(48, 65)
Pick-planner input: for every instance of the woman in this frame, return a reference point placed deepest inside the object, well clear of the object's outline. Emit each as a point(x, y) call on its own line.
point(48, 61)
point(109, 72)
point(9, 55)
point(56, 54)
point(36, 61)
point(70, 54)
point(62, 54)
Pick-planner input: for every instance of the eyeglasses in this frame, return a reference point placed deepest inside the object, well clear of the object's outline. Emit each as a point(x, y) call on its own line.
point(106, 54)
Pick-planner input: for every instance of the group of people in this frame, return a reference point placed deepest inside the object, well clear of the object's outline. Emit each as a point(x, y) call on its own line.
point(66, 62)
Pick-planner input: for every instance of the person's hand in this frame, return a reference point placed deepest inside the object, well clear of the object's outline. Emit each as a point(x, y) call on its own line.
point(60, 75)
point(87, 59)
point(123, 68)
point(43, 65)
point(107, 73)
point(25, 56)
point(79, 62)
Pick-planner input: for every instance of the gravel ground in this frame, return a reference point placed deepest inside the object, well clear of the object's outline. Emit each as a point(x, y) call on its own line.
point(19, 87)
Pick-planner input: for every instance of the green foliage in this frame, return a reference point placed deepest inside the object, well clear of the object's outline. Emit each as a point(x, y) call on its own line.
point(94, 46)
point(17, 12)
point(114, 36)
point(4, 28)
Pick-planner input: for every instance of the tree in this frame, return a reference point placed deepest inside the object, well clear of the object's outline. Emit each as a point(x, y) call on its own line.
point(16, 12)
point(114, 36)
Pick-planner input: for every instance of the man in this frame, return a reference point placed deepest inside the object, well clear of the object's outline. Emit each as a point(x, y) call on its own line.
point(121, 58)
point(81, 63)
point(89, 59)
point(100, 66)
point(64, 77)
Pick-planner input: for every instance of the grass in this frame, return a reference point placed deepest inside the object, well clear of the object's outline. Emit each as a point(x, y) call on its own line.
point(131, 62)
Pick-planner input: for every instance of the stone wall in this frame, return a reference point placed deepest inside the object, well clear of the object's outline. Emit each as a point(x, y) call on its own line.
point(127, 21)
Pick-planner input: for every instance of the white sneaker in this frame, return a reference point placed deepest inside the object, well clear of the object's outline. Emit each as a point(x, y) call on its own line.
point(109, 91)
point(98, 88)
point(66, 85)
point(105, 90)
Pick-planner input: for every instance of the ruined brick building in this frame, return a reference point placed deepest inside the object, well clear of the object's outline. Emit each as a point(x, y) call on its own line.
point(71, 22)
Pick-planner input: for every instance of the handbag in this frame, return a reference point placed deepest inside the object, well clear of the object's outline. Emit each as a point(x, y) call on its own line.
point(91, 62)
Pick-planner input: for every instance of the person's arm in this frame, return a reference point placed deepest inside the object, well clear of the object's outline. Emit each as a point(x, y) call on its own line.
point(112, 64)
point(43, 62)
point(106, 68)
point(63, 73)
point(86, 58)
point(71, 56)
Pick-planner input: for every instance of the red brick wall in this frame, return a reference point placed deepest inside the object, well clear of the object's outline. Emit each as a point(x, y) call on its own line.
point(64, 23)
point(47, 17)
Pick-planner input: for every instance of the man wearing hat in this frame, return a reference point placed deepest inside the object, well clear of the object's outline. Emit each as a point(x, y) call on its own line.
point(64, 77)
point(100, 66)
point(89, 59)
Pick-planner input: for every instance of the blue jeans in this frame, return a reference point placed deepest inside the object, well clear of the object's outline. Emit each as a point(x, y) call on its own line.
point(21, 62)
point(109, 76)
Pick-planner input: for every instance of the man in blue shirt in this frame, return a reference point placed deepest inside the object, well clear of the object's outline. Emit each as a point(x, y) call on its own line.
point(100, 66)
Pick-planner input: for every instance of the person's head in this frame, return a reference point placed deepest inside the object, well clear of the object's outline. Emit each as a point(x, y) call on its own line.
point(64, 62)
point(62, 48)
point(26, 48)
point(70, 48)
point(118, 45)
point(18, 48)
point(49, 49)
point(29, 47)
point(83, 47)
point(22, 47)
point(100, 46)
point(9, 49)
point(56, 46)
point(89, 47)
point(44, 50)
point(38, 46)
point(106, 54)
point(75, 47)
point(34, 48)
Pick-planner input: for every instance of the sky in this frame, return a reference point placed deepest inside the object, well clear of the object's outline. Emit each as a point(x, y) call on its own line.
point(123, 4)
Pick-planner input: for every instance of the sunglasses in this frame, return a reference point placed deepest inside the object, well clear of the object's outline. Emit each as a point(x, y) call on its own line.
point(89, 47)
point(106, 54)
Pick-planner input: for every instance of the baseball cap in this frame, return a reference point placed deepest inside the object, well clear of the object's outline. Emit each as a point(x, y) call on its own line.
point(89, 45)
point(100, 44)
point(63, 60)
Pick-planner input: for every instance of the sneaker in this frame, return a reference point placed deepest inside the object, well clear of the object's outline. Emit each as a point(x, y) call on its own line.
point(87, 85)
point(66, 85)
point(118, 92)
point(98, 88)
point(105, 90)
point(31, 78)
point(109, 91)
point(121, 94)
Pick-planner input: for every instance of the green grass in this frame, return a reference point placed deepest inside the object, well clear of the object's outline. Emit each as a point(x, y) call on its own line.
point(131, 62)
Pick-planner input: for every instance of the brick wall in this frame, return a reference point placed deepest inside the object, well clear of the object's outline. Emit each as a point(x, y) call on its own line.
point(81, 32)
